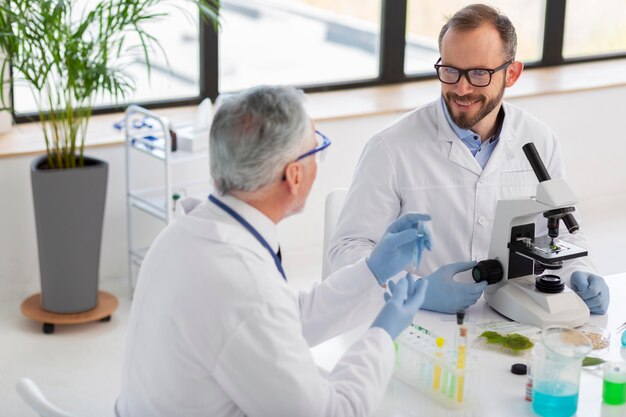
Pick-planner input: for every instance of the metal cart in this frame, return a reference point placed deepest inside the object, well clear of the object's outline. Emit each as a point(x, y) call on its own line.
point(155, 178)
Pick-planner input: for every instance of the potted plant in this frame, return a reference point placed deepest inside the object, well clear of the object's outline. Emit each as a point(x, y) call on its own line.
point(69, 57)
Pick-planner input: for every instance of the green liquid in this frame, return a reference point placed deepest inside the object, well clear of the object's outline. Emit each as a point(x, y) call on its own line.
point(614, 393)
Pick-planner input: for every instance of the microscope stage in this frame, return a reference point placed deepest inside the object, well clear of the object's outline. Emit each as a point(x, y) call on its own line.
point(545, 251)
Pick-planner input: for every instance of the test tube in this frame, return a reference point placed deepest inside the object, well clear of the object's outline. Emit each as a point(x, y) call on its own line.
point(417, 252)
point(425, 372)
point(461, 361)
point(445, 377)
point(453, 379)
point(461, 343)
point(437, 372)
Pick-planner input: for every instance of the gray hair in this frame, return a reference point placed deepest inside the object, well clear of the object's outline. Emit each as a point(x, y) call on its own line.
point(473, 16)
point(253, 136)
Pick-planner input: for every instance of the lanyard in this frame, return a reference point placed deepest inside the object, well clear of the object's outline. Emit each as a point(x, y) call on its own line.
point(252, 230)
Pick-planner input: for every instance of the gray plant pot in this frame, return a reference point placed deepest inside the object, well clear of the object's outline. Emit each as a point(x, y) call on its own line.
point(69, 211)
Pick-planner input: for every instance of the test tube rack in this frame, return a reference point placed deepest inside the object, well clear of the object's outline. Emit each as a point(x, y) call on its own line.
point(436, 372)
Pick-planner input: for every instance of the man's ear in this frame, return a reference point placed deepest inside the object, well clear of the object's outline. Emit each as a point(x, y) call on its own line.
point(293, 176)
point(513, 72)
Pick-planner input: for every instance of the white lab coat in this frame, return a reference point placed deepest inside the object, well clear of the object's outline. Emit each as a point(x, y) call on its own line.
point(216, 331)
point(419, 164)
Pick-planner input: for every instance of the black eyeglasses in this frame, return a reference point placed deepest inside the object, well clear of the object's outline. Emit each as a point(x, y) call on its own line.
point(478, 77)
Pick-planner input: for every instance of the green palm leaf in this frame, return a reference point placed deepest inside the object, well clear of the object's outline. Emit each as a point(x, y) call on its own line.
point(68, 62)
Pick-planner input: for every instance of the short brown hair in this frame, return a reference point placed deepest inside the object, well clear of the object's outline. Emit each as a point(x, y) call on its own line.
point(473, 16)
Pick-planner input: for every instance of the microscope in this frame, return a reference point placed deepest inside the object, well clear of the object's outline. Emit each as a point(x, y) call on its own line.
point(517, 257)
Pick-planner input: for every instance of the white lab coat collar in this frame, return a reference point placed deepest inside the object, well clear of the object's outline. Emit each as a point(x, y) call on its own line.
point(460, 155)
point(263, 224)
point(509, 141)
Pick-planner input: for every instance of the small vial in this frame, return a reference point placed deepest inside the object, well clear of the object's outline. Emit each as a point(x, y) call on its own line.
point(528, 396)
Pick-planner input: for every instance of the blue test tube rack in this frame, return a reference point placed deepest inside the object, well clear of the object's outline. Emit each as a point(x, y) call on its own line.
point(419, 361)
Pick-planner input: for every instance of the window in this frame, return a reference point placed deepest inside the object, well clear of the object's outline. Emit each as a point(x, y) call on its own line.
point(594, 30)
point(175, 74)
point(299, 42)
point(334, 44)
point(425, 19)
point(171, 78)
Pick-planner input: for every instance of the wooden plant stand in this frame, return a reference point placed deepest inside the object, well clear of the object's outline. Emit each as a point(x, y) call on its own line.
point(31, 308)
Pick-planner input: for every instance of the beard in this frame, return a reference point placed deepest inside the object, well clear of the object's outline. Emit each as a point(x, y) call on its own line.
point(465, 120)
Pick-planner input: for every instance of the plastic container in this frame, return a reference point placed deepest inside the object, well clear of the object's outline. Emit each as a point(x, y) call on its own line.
point(557, 361)
point(437, 369)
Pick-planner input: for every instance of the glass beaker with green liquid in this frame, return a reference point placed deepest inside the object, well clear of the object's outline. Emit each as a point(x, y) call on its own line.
point(614, 383)
point(557, 361)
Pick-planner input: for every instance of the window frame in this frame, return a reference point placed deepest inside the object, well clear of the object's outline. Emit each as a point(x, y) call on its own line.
point(391, 58)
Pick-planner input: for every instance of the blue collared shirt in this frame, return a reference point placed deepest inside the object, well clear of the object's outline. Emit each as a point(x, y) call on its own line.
point(479, 149)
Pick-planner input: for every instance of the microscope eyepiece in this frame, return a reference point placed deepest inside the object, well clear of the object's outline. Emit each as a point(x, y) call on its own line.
point(535, 162)
point(542, 175)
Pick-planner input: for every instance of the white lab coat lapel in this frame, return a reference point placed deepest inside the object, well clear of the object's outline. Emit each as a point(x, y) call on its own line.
point(459, 154)
point(503, 153)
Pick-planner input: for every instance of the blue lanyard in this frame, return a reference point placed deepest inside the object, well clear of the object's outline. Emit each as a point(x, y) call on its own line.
point(252, 230)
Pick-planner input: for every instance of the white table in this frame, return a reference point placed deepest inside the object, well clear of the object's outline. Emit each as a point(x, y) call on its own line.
point(501, 393)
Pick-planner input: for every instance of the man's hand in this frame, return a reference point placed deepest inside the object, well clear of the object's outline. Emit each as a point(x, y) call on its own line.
point(445, 295)
point(395, 249)
point(592, 289)
point(406, 298)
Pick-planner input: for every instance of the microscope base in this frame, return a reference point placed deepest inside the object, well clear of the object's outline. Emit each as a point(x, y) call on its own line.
point(519, 300)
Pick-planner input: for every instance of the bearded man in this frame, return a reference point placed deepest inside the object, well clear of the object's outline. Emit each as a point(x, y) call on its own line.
point(455, 158)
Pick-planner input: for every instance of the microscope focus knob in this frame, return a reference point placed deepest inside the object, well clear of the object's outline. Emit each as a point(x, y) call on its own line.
point(489, 270)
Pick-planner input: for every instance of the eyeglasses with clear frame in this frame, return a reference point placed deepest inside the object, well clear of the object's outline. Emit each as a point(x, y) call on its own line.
point(319, 151)
point(478, 77)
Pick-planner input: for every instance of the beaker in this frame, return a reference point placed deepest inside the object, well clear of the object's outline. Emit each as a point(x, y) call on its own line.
point(614, 383)
point(557, 361)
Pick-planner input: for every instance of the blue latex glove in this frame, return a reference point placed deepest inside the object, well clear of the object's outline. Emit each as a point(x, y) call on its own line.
point(592, 289)
point(406, 298)
point(397, 246)
point(445, 295)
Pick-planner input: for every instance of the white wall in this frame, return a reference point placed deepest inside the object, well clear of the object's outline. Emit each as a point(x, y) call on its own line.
point(589, 124)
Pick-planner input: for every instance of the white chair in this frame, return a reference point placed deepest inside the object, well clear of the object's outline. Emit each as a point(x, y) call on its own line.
point(32, 395)
point(334, 203)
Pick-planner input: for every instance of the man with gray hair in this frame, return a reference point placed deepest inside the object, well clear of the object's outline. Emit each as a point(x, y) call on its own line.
point(457, 156)
point(214, 328)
